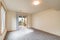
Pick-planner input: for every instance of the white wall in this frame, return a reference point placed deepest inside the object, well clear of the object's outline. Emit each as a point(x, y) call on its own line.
point(11, 21)
point(48, 20)
point(29, 21)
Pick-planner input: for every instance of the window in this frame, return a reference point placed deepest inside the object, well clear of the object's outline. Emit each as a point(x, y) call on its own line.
point(2, 19)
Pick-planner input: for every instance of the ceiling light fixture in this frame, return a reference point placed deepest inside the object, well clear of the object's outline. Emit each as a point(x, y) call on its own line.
point(36, 2)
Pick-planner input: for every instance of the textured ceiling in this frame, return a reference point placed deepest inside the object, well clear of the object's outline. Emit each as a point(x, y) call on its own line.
point(27, 6)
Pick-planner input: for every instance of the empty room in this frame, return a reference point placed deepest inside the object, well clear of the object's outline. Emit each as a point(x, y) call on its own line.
point(29, 19)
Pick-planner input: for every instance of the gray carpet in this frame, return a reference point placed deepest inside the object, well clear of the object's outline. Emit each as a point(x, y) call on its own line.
point(36, 35)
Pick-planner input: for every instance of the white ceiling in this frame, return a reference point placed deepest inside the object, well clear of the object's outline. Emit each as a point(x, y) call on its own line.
point(27, 6)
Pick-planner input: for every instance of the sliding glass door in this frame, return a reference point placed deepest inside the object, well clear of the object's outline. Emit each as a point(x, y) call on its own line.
point(22, 21)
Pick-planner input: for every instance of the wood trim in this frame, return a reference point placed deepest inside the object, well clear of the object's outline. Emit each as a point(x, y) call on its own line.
point(0, 18)
point(1, 5)
point(5, 36)
point(11, 30)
